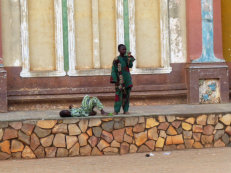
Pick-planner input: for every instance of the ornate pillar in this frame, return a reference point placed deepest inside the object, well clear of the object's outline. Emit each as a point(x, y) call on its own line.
point(207, 76)
point(3, 76)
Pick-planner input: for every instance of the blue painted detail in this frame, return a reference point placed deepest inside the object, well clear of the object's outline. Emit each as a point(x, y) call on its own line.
point(213, 86)
point(207, 34)
point(206, 97)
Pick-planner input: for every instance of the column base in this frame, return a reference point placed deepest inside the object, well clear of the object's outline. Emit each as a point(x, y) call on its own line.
point(3, 90)
point(207, 83)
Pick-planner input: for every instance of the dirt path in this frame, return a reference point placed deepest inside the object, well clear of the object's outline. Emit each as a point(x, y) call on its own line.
point(187, 161)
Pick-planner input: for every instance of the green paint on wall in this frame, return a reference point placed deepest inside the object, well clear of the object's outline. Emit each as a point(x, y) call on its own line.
point(126, 25)
point(65, 35)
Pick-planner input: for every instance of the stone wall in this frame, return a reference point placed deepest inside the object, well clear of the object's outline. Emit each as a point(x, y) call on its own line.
point(116, 135)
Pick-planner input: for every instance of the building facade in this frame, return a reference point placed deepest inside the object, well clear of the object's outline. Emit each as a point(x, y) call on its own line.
point(55, 51)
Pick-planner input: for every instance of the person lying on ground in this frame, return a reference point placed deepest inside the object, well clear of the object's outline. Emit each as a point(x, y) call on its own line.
point(86, 109)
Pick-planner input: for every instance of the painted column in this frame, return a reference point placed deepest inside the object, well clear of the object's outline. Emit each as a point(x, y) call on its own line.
point(207, 34)
point(3, 76)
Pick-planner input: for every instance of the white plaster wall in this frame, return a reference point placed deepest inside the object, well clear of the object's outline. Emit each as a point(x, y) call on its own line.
point(177, 21)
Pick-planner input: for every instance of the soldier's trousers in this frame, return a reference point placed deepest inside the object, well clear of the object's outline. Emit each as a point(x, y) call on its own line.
point(122, 99)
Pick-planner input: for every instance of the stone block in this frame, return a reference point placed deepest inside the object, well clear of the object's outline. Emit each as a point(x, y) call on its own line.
point(62, 152)
point(218, 134)
point(97, 131)
point(83, 139)
point(46, 124)
point(85, 151)
point(16, 146)
point(128, 139)
point(190, 120)
point(34, 141)
point(226, 119)
point(187, 134)
point(169, 140)
point(131, 121)
point(4, 124)
point(60, 128)
point(59, 141)
point(197, 128)
point(107, 136)
point(171, 131)
point(160, 142)
point(40, 152)
point(189, 143)
point(74, 151)
point(228, 130)
point(225, 139)
point(161, 119)
point(163, 126)
point(17, 156)
point(28, 129)
point(143, 149)
point(212, 119)
point(50, 152)
point(106, 119)
point(129, 131)
point(219, 143)
point(180, 147)
point(118, 135)
point(102, 144)
point(83, 124)
point(208, 130)
point(176, 124)
point(133, 148)
point(74, 130)
point(47, 141)
point(95, 152)
point(90, 132)
point(197, 145)
point(94, 122)
point(115, 144)
point(197, 137)
point(108, 126)
point(4, 156)
point(141, 120)
point(41, 133)
point(219, 126)
point(124, 148)
point(93, 141)
point(139, 128)
point(110, 151)
point(201, 120)
point(207, 139)
point(5, 147)
point(28, 153)
point(178, 139)
point(10, 134)
point(24, 138)
point(152, 133)
point(150, 144)
point(163, 134)
point(1, 134)
point(169, 147)
point(151, 122)
point(119, 124)
point(141, 138)
point(179, 130)
point(71, 141)
point(16, 125)
point(171, 118)
point(186, 126)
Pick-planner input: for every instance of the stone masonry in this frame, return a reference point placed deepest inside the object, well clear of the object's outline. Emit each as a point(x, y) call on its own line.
point(112, 135)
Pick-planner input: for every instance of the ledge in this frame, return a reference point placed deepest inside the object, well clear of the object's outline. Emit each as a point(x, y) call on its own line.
point(183, 110)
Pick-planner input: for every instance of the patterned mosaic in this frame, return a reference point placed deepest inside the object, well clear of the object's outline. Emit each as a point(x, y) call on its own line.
point(209, 91)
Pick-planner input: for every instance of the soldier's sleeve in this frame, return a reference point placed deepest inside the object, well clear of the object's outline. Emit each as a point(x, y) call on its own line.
point(114, 72)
